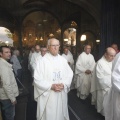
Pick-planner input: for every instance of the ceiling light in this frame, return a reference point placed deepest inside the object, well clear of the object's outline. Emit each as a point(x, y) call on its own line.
point(39, 24)
point(36, 38)
point(51, 35)
point(44, 20)
point(59, 30)
point(41, 38)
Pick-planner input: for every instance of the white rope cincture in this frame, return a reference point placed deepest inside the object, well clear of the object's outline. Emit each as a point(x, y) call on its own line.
point(77, 117)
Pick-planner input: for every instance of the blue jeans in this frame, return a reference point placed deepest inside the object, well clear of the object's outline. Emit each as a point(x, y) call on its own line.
point(8, 109)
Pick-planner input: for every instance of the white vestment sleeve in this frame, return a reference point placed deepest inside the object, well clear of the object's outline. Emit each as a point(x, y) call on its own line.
point(92, 64)
point(101, 77)
point(41, 85)
point(115, 77)
point(68, 78)
point(79, 67)
point(72, 61)
point(32, 62)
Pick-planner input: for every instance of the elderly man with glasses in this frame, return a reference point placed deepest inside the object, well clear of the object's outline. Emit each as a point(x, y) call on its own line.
point(52, 79)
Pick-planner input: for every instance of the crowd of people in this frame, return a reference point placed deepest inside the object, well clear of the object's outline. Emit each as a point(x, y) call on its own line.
point(90, 77)
point(100, 80)
point(55, 74)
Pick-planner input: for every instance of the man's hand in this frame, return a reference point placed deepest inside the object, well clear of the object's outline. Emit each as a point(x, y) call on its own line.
point(15, 102)
point(88, 72)
point(61, 86)
point(57, 87)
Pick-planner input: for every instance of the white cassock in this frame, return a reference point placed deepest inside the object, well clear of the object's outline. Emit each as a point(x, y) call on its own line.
point(83, 80)
point(69, 58)
point(29, 59)
point(102, 83)
point(30, 55)
point(37, 60)
point(34, 57)
point(112, 99)
point(70, 53)
point(49, 70)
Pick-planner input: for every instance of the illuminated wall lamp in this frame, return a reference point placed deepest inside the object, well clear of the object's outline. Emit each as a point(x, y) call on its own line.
point(36, 38)
point(83, 38)
point(25, 39)
point(97, 41)
point(6, 42)
point(65, 39)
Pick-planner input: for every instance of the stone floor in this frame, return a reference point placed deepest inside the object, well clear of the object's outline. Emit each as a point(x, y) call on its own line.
point(78, 109)
point(82, 108)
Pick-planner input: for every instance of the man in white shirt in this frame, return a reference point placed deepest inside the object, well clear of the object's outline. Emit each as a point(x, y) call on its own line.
point(8, 86)
point(52, 79)
point(69, 58)
point(83, 72)
point(29, 57)
point(43, 52)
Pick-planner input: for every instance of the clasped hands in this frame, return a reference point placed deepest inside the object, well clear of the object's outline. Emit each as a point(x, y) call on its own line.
point(88, 72)
point(57, 87)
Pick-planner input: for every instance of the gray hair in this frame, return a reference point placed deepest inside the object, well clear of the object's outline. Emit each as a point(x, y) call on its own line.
point(15, 52)
point(48, 42)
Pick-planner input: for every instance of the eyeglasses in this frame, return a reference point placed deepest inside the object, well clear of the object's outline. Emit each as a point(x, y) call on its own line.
point(88, 48)
point(54, 45)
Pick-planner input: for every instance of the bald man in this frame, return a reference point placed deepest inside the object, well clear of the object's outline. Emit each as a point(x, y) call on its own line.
point(102, 80)
point(112, 99)
point(83, 72)
point(68, 57)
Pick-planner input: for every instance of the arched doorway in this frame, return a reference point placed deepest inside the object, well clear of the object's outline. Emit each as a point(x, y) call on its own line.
point(90, 39)
point(38, 27)
point(69, 36)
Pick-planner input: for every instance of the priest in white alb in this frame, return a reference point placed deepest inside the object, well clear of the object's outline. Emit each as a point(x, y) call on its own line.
point(52, 80)
point(112, 99)
point(101, 84)
point(34, 56)
point(69, 58)
point(83, 72)
point(32, 50)
point(43, 52)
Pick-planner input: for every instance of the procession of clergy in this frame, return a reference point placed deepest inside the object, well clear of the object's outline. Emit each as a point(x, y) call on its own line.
point(53, 79)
